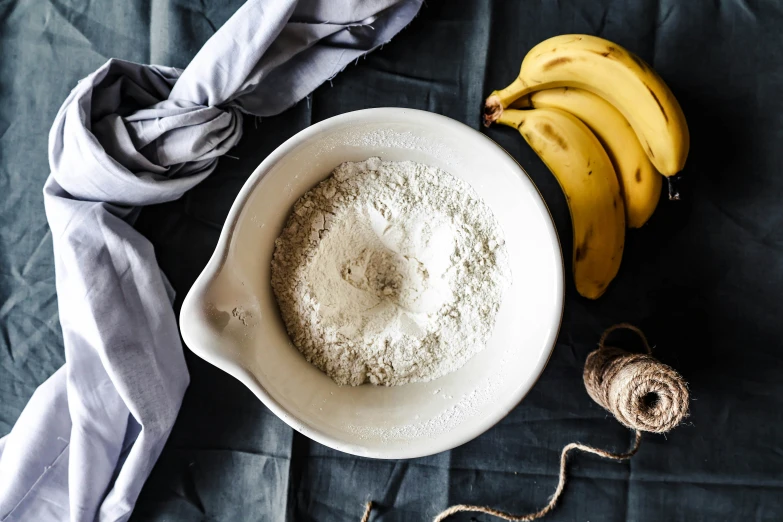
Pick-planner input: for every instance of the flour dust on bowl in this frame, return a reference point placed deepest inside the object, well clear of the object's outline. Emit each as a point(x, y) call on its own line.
point(231, 318)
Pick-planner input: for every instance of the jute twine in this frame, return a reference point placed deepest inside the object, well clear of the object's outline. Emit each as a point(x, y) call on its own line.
point(642, 393)
point(367, 511)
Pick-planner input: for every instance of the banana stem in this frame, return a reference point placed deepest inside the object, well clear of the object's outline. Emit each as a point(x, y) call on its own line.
point(501, 99)
point(493, 109)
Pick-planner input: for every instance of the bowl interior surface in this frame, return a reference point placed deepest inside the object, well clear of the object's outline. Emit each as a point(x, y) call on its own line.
point(230, 317)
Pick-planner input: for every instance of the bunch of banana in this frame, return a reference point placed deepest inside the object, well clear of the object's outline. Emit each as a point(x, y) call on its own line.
point(605, 124)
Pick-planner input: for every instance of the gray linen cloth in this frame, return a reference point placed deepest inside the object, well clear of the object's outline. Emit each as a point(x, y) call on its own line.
point(130, 135)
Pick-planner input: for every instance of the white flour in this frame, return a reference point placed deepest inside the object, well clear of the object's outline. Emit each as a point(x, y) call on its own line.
point(389, 273)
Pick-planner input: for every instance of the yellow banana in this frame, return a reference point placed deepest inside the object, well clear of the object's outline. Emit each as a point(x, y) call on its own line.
point(617, 75)
point(585, 173)
point(640, 183)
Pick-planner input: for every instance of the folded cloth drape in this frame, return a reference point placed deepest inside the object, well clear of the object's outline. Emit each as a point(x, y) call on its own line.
point(130, 135)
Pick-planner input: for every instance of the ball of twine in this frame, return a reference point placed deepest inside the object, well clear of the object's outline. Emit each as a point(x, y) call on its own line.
point(640, 391)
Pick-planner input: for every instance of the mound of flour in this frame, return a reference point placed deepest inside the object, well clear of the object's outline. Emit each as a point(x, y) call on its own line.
point(389, 273)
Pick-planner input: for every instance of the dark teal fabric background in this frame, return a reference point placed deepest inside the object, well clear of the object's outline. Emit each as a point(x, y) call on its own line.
point(704, 278)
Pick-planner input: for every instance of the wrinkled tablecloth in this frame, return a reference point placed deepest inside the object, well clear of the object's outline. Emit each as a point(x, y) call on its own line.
point(703, 278)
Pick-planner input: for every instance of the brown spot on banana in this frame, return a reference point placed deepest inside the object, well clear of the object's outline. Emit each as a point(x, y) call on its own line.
point(649, 149)
point(544, 52)
point(607, 53)
point(638, 175)
point(548, 132)
point(660, 106)
point(580, 253)
point(556, 62)
point(581, 250)
point(589, 172)
point(588, 235)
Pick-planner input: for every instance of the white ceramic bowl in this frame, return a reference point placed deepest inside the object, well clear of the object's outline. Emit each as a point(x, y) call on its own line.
point(230, 317)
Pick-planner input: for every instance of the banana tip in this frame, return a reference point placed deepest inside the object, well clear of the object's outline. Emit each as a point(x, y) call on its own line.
point(674, 191)
point(493, 108)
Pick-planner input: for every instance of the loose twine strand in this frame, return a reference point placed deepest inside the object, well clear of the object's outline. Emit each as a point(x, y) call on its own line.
point(367, 511)
point(642, 393)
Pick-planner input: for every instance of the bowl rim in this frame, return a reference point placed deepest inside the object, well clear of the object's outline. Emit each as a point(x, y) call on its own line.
point(187, 317)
